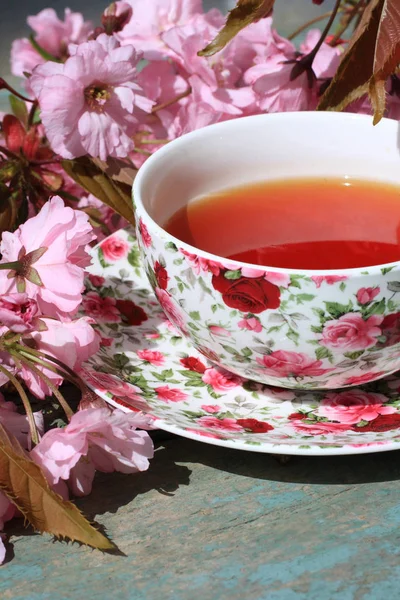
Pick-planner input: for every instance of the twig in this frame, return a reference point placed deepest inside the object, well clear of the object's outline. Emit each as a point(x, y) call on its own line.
point(300, 29)
point(169, 102)
point(25, 401)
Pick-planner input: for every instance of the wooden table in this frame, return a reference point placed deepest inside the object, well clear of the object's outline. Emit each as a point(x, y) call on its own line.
point(214, 523)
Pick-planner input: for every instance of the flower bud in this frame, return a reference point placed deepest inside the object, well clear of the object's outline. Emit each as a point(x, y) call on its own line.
point(116, 16)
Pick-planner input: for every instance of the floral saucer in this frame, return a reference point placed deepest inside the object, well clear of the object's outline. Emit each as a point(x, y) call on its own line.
point(145, 365)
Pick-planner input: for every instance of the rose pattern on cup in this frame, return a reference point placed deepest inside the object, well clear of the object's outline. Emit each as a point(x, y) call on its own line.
point(342, 327)
point(146, 366)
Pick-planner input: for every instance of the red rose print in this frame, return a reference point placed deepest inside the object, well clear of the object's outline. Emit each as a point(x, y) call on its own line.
point(161, 275)
point(254, 426)
point(96, 280)
point(297, 416)
point(132, 313)
point(365, 378)
point(101, 309)
point(194, 364)
point(381, 423)
point(390, 327)
point(144, 234)
point(247, 294)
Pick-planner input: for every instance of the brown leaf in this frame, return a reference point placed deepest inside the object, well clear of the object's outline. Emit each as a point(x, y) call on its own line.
point(372, 56)
point(352, 78)
point(25, 485)
point(110, 183)
point(244, 13)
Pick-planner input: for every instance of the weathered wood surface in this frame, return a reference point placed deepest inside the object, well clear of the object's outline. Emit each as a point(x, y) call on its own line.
point(212, 523)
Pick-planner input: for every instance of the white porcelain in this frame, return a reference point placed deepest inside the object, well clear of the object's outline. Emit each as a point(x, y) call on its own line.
point(289, 328)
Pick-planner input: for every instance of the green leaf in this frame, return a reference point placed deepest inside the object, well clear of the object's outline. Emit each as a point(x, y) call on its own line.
point(19, 109)
point(246, 351)
point(214, 308)
point(167, 373)
point(336, 310)
point(293, 335)
point(134, 257)
point(233, 274)
point(342, 286)
point(195, 315)
point(229, 349)
point(190, 374)
point(294, 282)
point(321, 353)
point(354, 355)
point(171, 247)
point(316, 329)
point(377, 308)
point(301, 298)
point(193, 326)
point(386, 270)
point(393, 286)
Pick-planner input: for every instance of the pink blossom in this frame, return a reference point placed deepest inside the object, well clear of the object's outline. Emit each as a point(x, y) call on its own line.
point(61, 234)
point(168, 394)
point(351, 332)
point(319, 428)
point(144, 234)
point(328, 279)
point(7, 511)
point(18, 313)
point(150, 20)
point(190, 116)
point(219, 331)
point(152, 356)
point(101, 309)
point(107, 439)
point(116, 16)
point(170, 308)
point(71, 342)
point(366, 295)
point(91, 103)
point(114, 248)
point(284, 363)
point(250, 323)
point(221, 380)
point(226, 424)
point(353, 406)
point(18, 425)
point(211, 408)
point(52, 34)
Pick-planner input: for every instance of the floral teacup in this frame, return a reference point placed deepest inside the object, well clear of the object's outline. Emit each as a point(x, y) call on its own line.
point(294, 329)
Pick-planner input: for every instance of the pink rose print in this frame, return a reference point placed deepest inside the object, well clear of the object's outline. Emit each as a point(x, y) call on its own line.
point(101, 309)
point(219, 331)
point(328, 279)
point(128, 394)
point(365, 378)
point(170, 394)
point(279, 279)
point(319, 428)
point(96, 280)
point(222, 424)
point(211, 408)
point(114, 248)
point(200, 264)
point(203, 433)
point(144, 234)
point(152, 356)
point(221, 381)
point(353, 406)
point(284, 363)
point(366, 295)
point(170, 308)
point(250, 323)
point(351, 332)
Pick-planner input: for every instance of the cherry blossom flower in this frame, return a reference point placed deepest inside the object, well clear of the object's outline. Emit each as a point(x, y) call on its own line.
point(52, 34)
point(51, 248)
point(91, 104)
point(18, 313)
point(107, 439)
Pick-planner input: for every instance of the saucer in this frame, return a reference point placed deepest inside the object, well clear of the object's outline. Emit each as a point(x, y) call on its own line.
point(145, 365)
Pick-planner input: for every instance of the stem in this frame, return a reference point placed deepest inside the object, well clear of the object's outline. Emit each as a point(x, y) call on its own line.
point(50, 161)
point(300, 29)
point(342, 28)
point(169, 102)
point(25, 401)
point(325, 32)
point(31, 115)
point(154, 142)
point(10, 265)
point(5, 86)
point(66, 407)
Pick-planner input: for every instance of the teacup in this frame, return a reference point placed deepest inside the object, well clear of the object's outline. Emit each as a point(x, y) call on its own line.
point(287, 328)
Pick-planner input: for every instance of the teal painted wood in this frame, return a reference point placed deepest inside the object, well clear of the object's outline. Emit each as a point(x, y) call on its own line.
point(212, 523)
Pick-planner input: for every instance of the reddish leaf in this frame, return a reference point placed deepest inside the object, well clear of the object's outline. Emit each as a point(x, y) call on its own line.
point(244, 13)
point(372, 55)
point(14, 133)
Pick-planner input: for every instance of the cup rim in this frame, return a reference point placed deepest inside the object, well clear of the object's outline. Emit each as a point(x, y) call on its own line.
point(198, 133)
